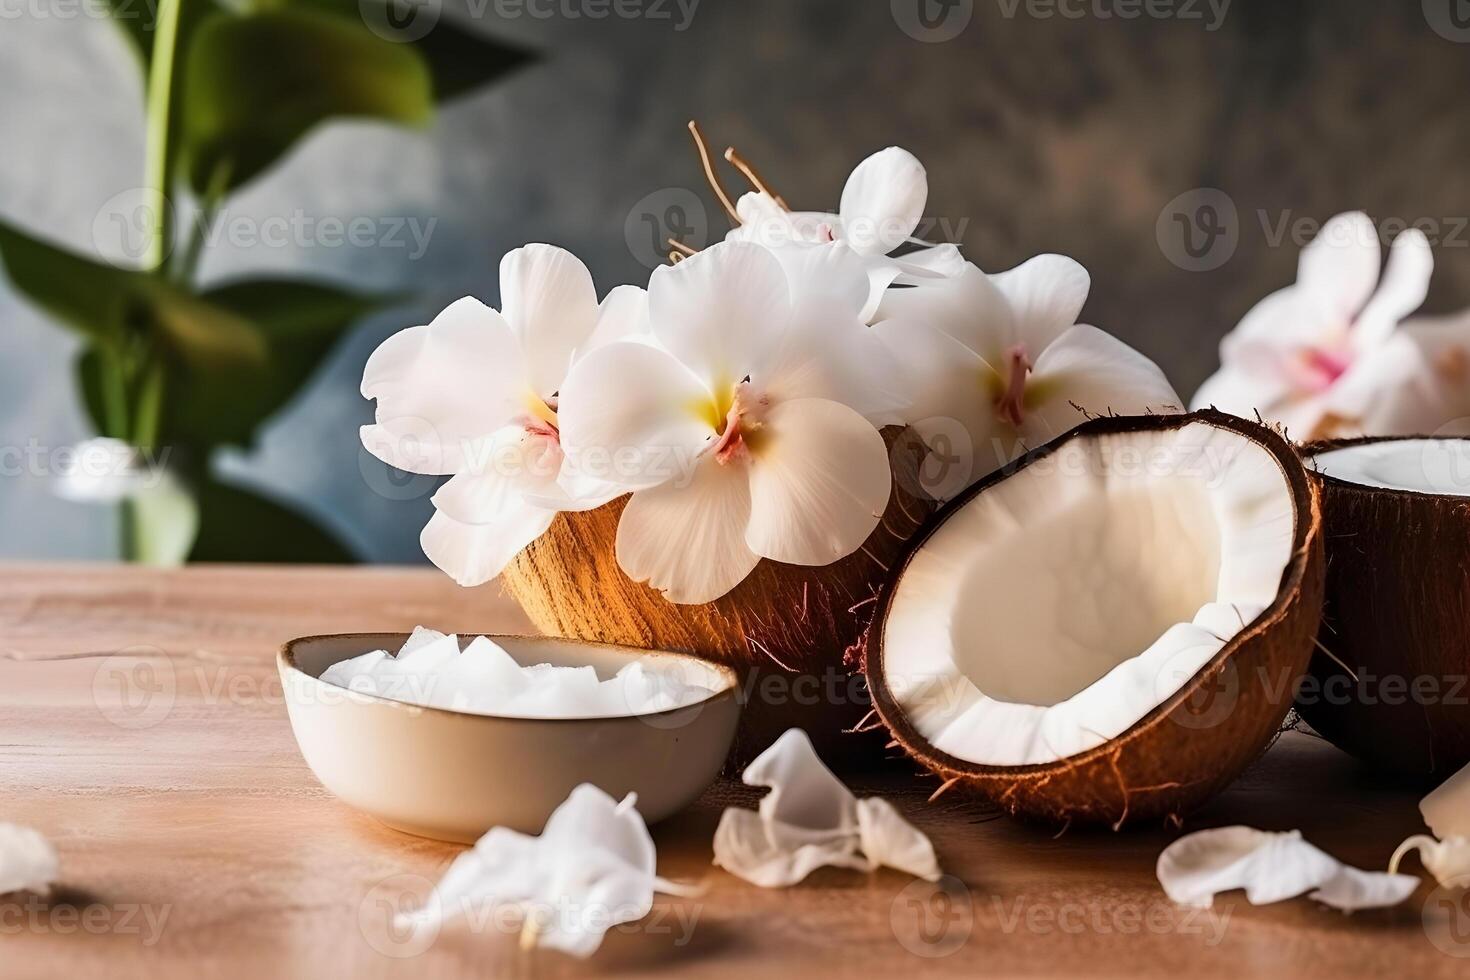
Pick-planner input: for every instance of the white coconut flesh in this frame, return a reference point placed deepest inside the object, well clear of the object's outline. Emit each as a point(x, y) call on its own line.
point(1439, 466)
point(1057, 608)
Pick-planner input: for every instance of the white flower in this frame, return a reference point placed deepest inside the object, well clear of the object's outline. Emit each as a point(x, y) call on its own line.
point(809, 820)
point(999, 361)
point(474, 395)
point(1271, 867)
point(882, 204)
point(593, 867)
point(747, 433)
point(1324, 357)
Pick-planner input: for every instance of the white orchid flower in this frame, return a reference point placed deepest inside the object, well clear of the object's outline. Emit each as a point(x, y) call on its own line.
point(473, 395)
point(748, 433)
point(1320, 355)
point(881, 207)
point(999, 361)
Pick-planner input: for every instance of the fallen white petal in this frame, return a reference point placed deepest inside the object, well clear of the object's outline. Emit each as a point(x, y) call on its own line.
point(592, 867)
point(890, 841)
point(28, 862)
point(1351, 889)
point(1271, 867)
point(1446, 810)
point(809, 820)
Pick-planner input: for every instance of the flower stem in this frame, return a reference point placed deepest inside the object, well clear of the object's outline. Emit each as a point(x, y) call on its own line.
point(156, 167)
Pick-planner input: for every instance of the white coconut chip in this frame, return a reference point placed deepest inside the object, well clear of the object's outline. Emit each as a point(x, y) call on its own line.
point(1271, 867)
point(1446, 855)
point(592, 868)
point(28, 862)
point(809, 820)
point(1049, 616)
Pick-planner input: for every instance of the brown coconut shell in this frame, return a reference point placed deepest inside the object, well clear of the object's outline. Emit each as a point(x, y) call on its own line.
point(787, 629)
point(1196, 742)
point(1397, 615)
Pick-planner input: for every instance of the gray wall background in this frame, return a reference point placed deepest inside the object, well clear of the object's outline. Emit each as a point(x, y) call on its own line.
point(1045, 126)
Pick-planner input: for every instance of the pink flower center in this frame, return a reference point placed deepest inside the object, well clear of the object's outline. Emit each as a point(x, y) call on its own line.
point(1010, 405)
point(1319, 368)
point(742, 421)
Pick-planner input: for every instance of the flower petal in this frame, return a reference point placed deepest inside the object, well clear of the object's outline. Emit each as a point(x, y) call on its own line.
point(719, 311)
point(686, 538)
point(28, 862)
point(1270, 867)
point(623, 315)
point(819, 482)
point(832, 274)
point(1089, 371)
point(1447, 860)
point(931, 262)
point(1045, 293)
point(1338, 269)
point(549, 300)
point(883, 201)
point(473, 554)
point(745, 847)
point(1351, 889)
point(890, 841)
point(1401, 291)
point(828, 352)
point(804, 793)
point(445, 384)
point(968, 307)
point(1446, 810)
point(498, 473)
point(633, 416)
point(949, 406)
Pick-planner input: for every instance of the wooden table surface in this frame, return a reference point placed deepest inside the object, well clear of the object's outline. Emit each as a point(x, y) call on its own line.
point(142, 729)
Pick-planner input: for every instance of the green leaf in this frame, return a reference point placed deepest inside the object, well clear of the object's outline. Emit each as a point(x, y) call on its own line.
point(298, 322)
point(89, 296)
point(238, 525)
point(459, 59)
point(256, 83)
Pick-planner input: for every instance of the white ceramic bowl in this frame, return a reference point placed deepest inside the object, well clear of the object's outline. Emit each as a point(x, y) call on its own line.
point(453, 775)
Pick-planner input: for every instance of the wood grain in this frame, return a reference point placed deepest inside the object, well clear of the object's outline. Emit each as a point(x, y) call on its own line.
point(201, 814)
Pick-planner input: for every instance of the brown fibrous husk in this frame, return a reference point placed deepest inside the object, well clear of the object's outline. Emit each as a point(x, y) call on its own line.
point(1186, 749)
point(792, 632)
point(1389, 676)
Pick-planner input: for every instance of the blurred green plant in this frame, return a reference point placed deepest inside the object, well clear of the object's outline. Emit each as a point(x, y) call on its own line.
point(167, 363)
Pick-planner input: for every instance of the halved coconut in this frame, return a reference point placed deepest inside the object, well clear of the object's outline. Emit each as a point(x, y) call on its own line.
point(1391, 678)
point(1112, 628)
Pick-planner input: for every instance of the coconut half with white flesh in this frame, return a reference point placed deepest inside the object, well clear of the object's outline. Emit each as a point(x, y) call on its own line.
point(1110, 629)
point(1391, 678)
